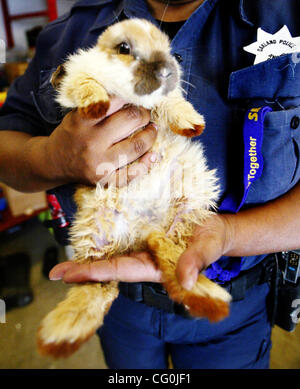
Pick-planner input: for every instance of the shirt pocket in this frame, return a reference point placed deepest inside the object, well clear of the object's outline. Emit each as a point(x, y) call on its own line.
point(275, 83)
point(44, 100)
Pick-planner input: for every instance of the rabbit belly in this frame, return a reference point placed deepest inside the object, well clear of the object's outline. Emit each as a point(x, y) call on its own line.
point(113, 220)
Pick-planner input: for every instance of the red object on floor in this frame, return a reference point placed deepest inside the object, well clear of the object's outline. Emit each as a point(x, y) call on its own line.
point(50, 12)
point(56, 211)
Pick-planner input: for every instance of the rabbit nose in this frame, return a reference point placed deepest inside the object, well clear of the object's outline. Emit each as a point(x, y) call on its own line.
point(164, 73)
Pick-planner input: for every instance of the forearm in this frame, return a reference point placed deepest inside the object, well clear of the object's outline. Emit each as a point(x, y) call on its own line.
point(272, 227)
point(25, 163)
point(269, 228)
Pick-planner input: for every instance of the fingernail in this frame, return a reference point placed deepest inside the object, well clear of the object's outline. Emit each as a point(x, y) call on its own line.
point(190, 282)
point(155, 126)
point(153, 158)
point(54, 278)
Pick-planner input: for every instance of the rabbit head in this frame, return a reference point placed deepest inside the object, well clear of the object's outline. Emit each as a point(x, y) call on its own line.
point(144, 51)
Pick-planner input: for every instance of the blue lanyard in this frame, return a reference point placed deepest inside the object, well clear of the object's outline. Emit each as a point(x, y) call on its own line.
point(253, 168)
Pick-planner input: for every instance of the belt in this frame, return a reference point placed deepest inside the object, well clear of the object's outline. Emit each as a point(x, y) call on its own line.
point(154, 295)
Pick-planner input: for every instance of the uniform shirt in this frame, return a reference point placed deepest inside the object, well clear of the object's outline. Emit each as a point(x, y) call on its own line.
point(218, 76)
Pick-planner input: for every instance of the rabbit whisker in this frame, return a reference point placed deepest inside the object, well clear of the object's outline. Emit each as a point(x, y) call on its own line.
point(188, 83)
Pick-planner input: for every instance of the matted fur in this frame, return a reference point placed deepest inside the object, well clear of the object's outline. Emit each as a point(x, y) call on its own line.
point(156, 212)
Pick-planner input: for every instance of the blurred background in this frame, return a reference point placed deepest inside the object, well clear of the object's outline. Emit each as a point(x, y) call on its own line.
point(28, 249)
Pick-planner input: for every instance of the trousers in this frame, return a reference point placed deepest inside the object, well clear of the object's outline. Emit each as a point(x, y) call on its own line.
point(136, 336)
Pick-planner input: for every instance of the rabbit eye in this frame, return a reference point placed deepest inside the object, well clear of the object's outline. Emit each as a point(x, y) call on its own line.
point(124, 48)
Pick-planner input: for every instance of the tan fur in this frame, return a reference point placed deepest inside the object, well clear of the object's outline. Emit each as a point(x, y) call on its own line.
point(94, 110)
point(57, 76)
point(196, 131)
point(156, 212)
point(127, 59)
point(86, 92)
point(143, 36)
point(206, 299)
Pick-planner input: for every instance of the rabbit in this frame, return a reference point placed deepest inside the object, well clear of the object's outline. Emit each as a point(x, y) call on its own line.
point(156, 212)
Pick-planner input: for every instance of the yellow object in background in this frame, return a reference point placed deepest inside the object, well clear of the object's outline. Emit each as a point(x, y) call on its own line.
point(2, 97)
point(14, 69)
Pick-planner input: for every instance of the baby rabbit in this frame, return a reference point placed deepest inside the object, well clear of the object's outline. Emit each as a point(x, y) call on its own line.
point(156, 212)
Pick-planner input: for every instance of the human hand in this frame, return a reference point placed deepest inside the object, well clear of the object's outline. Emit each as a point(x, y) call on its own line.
point(209, 242)
point(136, 267)
point(91, 150)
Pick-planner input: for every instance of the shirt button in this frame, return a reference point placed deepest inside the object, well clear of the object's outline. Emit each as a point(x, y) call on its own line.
point(178, 57)
point(295, 122)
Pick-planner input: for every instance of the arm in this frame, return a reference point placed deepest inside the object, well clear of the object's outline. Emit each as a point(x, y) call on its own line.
point(268, 228)
point(264, 229)
point(75, 149)
point(23, 162)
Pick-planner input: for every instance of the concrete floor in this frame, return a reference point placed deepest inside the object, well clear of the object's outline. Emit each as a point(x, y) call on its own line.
point(17, 335)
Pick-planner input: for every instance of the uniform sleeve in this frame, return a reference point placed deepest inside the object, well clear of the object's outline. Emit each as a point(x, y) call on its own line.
point(19, 113)
point(30, 105)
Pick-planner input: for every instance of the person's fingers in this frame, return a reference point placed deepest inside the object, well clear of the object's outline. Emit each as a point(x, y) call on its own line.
point(149, 159)
point(141, 167)
point(136, 267)
point(124, 153)
point(116, 103)
point(126, 174)
point(96, 271)
point(153, 272)
point(59, 270)
point(188, 267)
point(130, 149)
point(122, 124)
point(209, 242)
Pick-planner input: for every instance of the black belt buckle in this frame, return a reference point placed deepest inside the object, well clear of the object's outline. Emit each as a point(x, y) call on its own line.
point(157, 297)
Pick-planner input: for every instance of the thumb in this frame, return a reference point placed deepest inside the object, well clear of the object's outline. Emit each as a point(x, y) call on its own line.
point(189, 265)
point(209, 243)
point(197, 257)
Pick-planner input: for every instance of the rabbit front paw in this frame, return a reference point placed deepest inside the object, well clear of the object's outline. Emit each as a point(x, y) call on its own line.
point(94, 110)
point(187, 121)
point(93, 101)
point(88, 96)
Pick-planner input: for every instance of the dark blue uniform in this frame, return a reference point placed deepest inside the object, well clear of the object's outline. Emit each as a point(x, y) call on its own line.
point(222, 84)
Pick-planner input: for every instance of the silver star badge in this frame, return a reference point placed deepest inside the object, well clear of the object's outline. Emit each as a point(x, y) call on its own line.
point(270, 46)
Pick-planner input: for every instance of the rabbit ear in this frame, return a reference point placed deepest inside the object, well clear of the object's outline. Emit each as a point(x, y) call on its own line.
point(57, 76)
